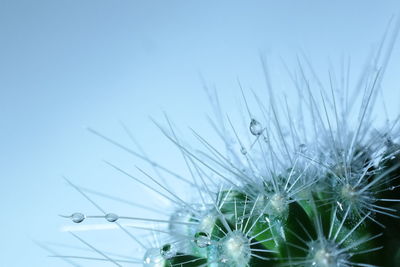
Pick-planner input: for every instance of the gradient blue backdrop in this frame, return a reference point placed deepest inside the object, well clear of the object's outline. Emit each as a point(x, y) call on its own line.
point(65, 65)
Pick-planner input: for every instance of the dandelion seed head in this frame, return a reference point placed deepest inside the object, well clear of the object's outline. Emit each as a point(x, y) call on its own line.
point(324, 258)
point(235, 249)
point(310, 178)
point(324, 253)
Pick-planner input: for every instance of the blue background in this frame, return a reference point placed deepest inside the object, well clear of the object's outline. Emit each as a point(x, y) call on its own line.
point(66, 65)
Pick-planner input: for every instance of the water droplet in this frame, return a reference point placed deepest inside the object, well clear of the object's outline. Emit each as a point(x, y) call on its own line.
point(255, 128)
point(303, 148)
point(181, 215)
point(202, 239)
point(240, 220)
point(152, 258)
point(111, 217)
point(168, 251)
point(392, 188)
point(243, 150)
point(77, 217)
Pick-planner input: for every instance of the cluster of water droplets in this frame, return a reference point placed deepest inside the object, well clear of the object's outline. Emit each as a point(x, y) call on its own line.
point(79, 217)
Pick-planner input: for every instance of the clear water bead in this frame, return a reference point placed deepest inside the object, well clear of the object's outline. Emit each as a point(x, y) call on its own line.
point(303, 148)
point(111, 217)
point(168, 251)
point(202, 239)
point(240, 220)
point(255, 128)
point(243, 150)
point(78, 217)
point(152, 258)
point(180, 215)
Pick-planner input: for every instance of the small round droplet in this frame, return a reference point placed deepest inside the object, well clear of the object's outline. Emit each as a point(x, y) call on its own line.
point(202, 239)
point(180, 215)
point(255, 128)
point(78, 217)
point(152, 258)
point(240, 220)
point(111, 217)
point(243, 150)
point(392, 188)
point(168, 251)
point(303, 148)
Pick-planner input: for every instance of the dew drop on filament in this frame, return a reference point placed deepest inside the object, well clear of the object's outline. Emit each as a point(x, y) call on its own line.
point(111, 217)
point(77, 217)
point(202, 239)
point(255, 128)
point(152, 258)
point(167, 251)
point(303, 148)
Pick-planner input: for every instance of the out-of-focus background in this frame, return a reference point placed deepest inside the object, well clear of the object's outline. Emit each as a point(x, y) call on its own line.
point(68, 65)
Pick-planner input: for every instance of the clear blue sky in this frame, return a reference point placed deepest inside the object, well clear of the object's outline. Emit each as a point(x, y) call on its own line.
point(65, 65)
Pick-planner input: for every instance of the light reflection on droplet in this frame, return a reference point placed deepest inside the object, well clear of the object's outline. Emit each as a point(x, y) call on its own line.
point(78, 217)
